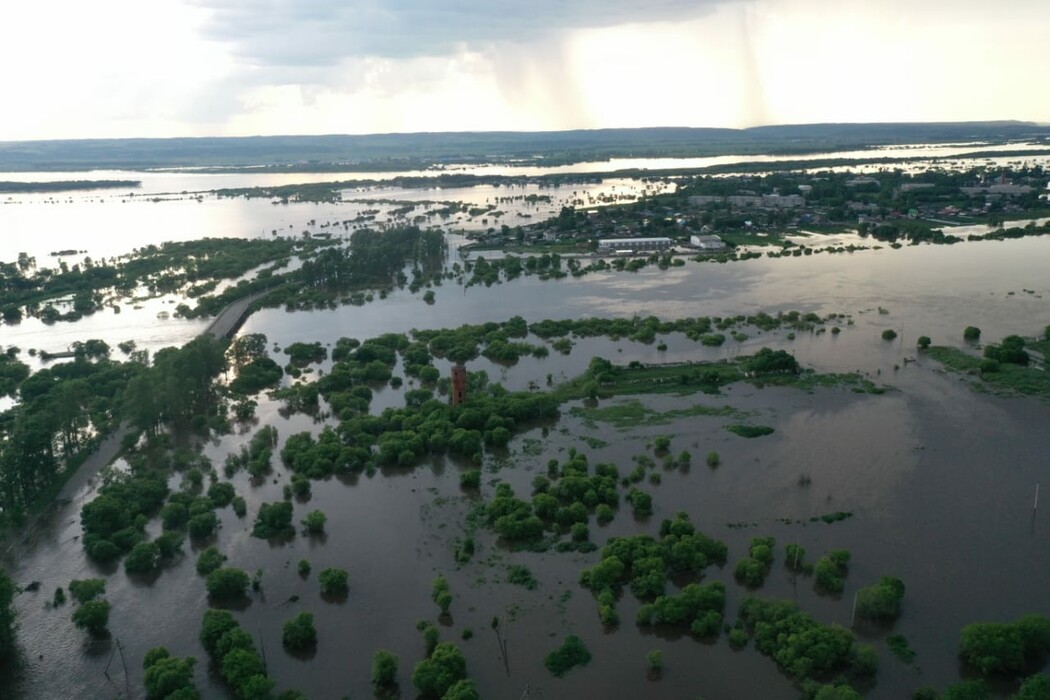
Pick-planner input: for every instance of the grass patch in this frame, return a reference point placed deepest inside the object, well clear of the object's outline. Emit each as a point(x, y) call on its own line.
point(749, 431)
point(521, 576)
point(633, 413)
point(1007, 379)
point(900, 648)
point(569, 655)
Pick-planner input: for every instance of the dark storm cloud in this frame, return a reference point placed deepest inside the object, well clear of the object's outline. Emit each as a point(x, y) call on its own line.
point(324, 32)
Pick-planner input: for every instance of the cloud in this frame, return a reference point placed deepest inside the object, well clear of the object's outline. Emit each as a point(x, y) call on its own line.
point(326, 32)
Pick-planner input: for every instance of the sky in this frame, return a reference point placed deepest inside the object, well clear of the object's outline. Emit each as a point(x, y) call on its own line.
point(161, 68)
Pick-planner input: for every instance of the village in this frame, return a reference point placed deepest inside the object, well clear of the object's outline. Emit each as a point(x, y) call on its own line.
point(713, 214)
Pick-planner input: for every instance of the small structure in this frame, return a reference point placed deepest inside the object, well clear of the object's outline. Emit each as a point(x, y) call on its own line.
point(609, 245)
point(459, 384)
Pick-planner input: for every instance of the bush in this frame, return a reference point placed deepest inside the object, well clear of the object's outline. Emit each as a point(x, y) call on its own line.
point(972, 333)
point(304, 567)
point(570, 654)
point(470, 479)
point(749, 431)
point(655, 660)
point(299, 632)
point(889, 334)
point(333, 581)
point(521, 576)
point(923, 342)
point(713, 460)
point(737, 638)
point(227, 583)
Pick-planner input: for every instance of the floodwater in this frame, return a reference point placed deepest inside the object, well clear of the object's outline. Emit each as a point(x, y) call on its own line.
point(939, 478)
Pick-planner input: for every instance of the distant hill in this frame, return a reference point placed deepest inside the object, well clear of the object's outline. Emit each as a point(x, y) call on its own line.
point(397, 151)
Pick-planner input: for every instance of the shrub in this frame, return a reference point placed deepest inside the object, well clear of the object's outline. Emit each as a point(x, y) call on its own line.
point(889, 334)
point(299, 632)
point(750, 431)
point(655, 660)
point(570, 654)
point(972, 333)
point(713, 460)
point(521, 576)
point(737, 638)
point(470, 479)
point(923, 342)
point(304, 567)
point(333, 581)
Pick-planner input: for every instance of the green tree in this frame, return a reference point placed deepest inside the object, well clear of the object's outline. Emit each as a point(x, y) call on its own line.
point(86, 589)
point(571, 653)
point(462, 689)
point(314, 522)
point(7, 614)
point(441, 594)
point(227, 583)
point(881, 601)
point(1035, 687)
point(299, 632)
point(434, 676)
point(384, 669)
point(92, 616)
point(144, 557)
point(972, 333)
point(168, 676)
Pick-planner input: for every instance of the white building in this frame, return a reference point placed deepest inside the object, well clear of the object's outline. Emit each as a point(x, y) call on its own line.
point(708, 243)
point(611, 245)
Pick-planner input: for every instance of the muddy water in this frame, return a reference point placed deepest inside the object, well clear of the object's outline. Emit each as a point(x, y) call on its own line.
point(939, 479)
